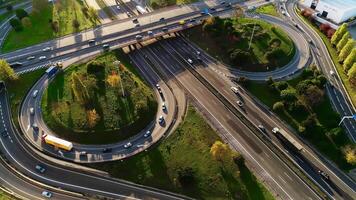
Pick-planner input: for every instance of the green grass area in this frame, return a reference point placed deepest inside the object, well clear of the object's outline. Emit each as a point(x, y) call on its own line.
point(120, 117)
point(268, 9)
point(334, 56)
point(41, 29)
point(17, 91)
point(106, 9)
point(221, 38)
point(164, 3)
point(4, 196)
point(327, 119)
point(189, 147)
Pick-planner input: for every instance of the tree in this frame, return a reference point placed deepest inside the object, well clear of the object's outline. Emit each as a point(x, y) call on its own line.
point(330, 33)
point(26, 22)
point(352, 75)
point(219, 151)
point(313, 95)
point(270, 80)
point(281, 85)
point(350, 154)
point(273, 55)
point(338, 34)
point(343, 41)
point(289, 95)
point(75, 24)
point(93, 118)
point(94, 16)
point(16, 24)
point(324, 28)
point(278, 106)
point(239, 56)
point(9, 7)
point(310, 122)
point(95, 67)
point(113, 80)
point(79, 89)
point(346, 50)
point(55, 26)
point(21, 13)
point(350, 60)
point(185, 176)
point(6, 72)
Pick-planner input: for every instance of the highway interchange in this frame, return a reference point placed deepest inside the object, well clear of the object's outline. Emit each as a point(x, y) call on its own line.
point(169, 59)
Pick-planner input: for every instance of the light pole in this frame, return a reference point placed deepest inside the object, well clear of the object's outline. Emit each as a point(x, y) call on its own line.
point(253, 32)
point(117, 62)
point(348, 117)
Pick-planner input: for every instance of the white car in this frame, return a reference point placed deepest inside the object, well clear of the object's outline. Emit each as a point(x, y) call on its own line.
point(31, 58)
point(149, 33)
point(160, 119)
point(127, 145)
point(235, 90)
point(148, 133)
point(190, 61)
point(118, 7)
point(34, 94)
point(164, 107)
point(47, 49)
point(47, 194)
point(275, 130)
point(42, 57)
point(239, 103)
point(32, 111)
point(40, 169)
point(83, 153)
point(138, 37)
point(332, 73)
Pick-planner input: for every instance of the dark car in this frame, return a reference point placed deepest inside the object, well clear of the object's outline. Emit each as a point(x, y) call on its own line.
point(4, 134)
point(107, 150)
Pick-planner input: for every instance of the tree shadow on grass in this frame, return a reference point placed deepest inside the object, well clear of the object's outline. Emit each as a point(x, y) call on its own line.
point(253, 188)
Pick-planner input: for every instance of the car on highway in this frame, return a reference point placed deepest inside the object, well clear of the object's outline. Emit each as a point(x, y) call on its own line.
point(228, 5)
point(222, 2)
point(128, 14)
point(138, 37)
point(158, 86)
point(323, 175)
point(83, 153)
point(150, 33)
point(332, 73)
point(34, 94)
point(190, 61)
point(47, 49)
point(30, 58)
point(164, 107)
point(135, 20)
point(137, 25)
point(106, 47)
point(47, 194)
point(127, 145)
point(34, 126)
point(235, 90)
point(32, 111)
point(40, 169)
point(148, 133)
point(4, 134)
point(275, 130)
point(106, 150)
point(239, 103)
point(160, 119)
point(192, 20)
point(162, 19)
point(213, 9)
point(91, 41)
point(181, 22)
point(164, 29)
point(118, 7)
point(262, 128)
point(42, 58)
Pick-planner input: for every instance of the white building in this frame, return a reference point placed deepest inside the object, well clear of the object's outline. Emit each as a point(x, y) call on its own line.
point(336, 11)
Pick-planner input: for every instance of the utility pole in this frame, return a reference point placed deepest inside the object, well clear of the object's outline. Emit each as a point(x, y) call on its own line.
point(253, 32)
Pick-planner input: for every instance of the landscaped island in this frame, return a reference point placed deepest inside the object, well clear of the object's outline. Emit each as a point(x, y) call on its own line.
point(228, 40)
point(101, 101)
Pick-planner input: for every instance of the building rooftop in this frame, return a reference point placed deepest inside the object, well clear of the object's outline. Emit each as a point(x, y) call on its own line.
point(341, 4)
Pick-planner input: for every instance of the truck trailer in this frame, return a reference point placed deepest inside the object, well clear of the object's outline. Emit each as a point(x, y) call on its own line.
point(57, 142)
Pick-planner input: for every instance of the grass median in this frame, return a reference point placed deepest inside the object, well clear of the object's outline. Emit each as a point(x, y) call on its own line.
point(183, 163)
point(268, 9)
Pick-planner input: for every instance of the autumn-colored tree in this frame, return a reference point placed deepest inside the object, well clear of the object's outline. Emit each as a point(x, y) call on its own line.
point(330, 33)
point(343, 41)
point(346, 51)
point(313, 95)
point(350, 60)
point(79, 89)
point(113, 80)
point(93, 118)
point(338, 34)
point(324, 28)
point(350, 154)
point(6, 72)
point(219, 151)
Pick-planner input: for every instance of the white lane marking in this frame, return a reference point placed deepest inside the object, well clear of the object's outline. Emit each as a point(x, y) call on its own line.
point(282, 179)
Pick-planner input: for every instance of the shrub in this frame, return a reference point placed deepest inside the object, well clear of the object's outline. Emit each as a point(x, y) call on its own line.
point(16, 24)
point(273, 55)
point(55, 26)
point(350, 154)
point(278, 106)
point(281, 85)
point(324, 28)
point(310, 122)
point(289, 95)
point(21, 13)
point(352, 75)
point(185, 176)
point(26, 22)
point(239, 56)
point(95, 67)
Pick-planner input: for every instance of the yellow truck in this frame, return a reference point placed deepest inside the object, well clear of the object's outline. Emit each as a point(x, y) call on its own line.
point(57, 142)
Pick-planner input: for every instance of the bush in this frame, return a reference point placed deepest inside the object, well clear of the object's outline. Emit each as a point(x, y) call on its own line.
point(16, 24)
point(95, 67)
point(289, 95)
point(239, 56)
point(310, 122)
point(273, 55)
point(75, 24)
point(324, 28)
point(281, 85)
point(185, 176)
point(21, 13)
point(26, 22)
point(278, 106)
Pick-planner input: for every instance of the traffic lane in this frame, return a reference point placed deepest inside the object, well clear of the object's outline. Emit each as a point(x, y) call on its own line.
point(25, 162)
point(250, 110)
point(230, 122)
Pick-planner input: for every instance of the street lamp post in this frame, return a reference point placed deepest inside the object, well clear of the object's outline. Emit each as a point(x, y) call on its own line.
point(348, 117)
point(253, 32)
